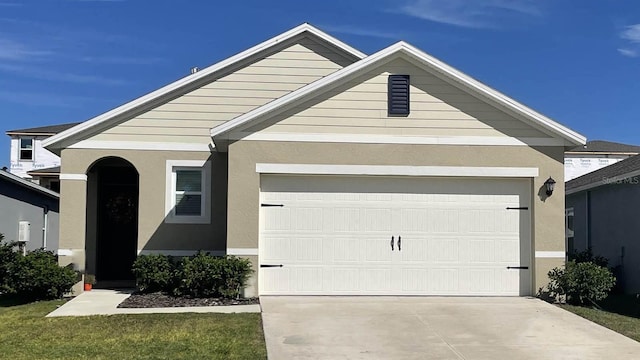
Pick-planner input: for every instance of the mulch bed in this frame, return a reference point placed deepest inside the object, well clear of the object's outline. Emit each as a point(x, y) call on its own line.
point(155, 300)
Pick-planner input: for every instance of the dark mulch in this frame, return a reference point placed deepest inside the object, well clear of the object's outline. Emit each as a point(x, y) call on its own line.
point(154, 300)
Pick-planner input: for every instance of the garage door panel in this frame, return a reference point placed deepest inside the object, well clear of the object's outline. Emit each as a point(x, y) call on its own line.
point(333, 236)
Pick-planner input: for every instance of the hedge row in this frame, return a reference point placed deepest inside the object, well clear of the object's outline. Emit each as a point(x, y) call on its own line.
point(201, 275)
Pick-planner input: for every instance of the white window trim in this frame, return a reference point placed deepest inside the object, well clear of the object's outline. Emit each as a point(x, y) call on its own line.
point(205, 217)
point(33, 148)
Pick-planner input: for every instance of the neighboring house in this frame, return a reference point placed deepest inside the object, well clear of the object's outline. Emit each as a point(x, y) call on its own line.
point(602, 210)
point(30, 160)
point(35, 206)
point(334, 172)
point(595, 155)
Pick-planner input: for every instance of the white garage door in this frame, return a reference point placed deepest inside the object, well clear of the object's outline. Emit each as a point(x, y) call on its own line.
point(322, 235)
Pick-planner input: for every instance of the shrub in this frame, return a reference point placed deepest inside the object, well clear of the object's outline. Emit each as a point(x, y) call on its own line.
point(581, 282)
point(206, 276)
point(587, 256)
point(154, 273)
point(8, 256)
point(37, 276)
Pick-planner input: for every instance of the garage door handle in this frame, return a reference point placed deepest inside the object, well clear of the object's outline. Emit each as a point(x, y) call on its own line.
point(269, 265)
point(518, 267)
point(392, 243)
point(399, 239)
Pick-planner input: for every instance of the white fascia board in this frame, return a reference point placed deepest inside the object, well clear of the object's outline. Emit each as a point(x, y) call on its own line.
point(79, 177)
point(141, 145)
point(154, 96)
point(279, 105)
point(391, 170)
point(395, 139)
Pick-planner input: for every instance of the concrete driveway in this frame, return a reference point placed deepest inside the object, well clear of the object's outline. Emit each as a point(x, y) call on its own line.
point(433, 328)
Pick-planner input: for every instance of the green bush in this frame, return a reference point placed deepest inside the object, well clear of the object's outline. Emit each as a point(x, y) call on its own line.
point(201, 275)
point(587, 256)
point(581, 282)
point(8, 256)
point(37, 276)
point(154, 273)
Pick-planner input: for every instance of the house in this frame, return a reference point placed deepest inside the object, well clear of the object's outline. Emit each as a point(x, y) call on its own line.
point(595, 155)
point(30, 213)
point(30, 160)
point(601, 214)
point(333, 171)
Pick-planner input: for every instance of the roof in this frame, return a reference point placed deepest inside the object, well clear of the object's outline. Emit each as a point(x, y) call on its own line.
point(43, 130)
point(601, 146)
point(167, 92)
point(27, 184)
point(221, 133)
point(46, 171)
point(628, 167)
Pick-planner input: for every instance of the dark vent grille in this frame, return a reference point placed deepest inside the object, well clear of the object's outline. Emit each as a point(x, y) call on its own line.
point(398, 93)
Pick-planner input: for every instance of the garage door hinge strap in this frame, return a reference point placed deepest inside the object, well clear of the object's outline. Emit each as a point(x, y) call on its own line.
point(518, 208)
point(272, 205)
point(268, 265)
point(518, 267)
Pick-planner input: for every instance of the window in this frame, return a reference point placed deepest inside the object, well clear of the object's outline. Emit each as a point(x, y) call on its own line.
point(188, 192)
point(568, 230)
point(26, 149)
point(398, 94)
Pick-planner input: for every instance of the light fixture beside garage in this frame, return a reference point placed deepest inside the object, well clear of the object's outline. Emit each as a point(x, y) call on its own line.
point(549, 185)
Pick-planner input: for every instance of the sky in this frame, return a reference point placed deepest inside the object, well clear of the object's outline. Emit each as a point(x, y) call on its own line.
point(577, 62)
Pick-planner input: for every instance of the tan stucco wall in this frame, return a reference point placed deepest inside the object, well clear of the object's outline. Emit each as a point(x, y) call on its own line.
point(244, 182)
point(153, 232)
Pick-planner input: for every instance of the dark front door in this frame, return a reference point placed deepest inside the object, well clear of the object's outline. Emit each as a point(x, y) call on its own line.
point(117, 231)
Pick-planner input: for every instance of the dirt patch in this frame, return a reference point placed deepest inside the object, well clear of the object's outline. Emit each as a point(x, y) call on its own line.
point(156, 300)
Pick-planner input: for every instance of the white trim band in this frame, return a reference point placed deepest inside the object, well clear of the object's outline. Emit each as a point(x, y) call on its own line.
point(550, 254)
point(141, 145)
point(179, 252)
point(242, 251)
point(81, 177)
point(387, 170)
point(64, 252)
point(391, 139)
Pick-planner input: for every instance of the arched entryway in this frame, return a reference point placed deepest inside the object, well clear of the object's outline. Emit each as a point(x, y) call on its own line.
point(112, 220)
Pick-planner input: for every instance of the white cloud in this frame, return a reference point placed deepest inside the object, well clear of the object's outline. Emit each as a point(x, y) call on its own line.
point(13, 50)
point(628, 52)
point(354, 30)
point(631, 33)
point(469, 13)
point(122, 60)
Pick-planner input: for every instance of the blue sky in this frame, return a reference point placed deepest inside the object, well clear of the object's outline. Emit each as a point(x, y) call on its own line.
point(577, 62)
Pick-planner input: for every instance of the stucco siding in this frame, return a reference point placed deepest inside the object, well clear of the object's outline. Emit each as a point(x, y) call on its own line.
point(154, 233)
point(189, 117)
point(244, 181)
point(437, 109)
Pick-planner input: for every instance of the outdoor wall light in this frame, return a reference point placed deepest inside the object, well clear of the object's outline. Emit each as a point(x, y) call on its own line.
point(549, 185)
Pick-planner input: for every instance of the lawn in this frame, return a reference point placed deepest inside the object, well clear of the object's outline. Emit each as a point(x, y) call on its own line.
point(26, 334)
point(619, 313)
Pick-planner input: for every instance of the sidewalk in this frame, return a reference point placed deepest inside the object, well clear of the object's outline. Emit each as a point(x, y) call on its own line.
point(105, 302)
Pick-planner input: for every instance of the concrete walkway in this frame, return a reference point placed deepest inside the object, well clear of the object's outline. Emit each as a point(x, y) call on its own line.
point(434, 328)
point(105, 302)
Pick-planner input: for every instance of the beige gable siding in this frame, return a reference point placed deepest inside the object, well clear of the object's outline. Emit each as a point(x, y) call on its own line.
point(188, 118)
point(437, 109)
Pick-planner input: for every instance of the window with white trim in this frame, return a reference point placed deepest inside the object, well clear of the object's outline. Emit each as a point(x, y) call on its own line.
point(188, 192)
point(26, 149)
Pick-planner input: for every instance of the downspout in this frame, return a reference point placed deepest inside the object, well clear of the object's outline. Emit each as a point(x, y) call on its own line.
point(45, 211)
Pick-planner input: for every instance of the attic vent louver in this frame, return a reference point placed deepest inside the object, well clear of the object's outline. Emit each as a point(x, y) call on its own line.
point(398, 95)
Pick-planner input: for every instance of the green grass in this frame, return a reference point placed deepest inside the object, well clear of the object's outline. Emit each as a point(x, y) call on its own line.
point(620, 313)
point(26, 334)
